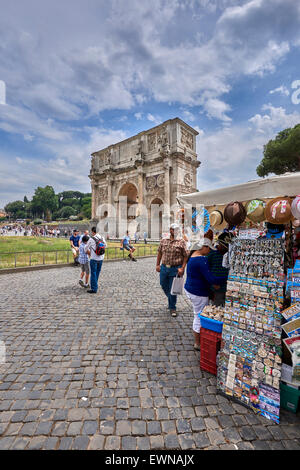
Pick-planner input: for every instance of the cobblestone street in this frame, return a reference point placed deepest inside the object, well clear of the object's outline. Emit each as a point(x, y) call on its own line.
point(113, 370)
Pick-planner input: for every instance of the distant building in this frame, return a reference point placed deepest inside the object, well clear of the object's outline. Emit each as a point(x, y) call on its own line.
point(2, 213)
point(152, 167)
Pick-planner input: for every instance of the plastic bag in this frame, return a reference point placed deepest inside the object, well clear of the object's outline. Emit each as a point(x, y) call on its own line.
point(177, 286)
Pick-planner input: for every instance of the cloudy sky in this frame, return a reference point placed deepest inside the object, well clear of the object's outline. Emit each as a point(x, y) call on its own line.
point(83, 74)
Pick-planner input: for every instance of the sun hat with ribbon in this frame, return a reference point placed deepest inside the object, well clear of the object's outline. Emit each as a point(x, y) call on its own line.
point(235, 213)
point(278, 210)
point(256, 210)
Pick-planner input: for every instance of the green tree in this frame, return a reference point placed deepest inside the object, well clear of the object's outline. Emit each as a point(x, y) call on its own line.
point(66, 212)
point(86, 208)
point(282, 154)
point(15, 209)
point(44, 199)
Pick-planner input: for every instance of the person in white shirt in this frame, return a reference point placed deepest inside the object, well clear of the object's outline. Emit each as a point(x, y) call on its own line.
point(95, 259)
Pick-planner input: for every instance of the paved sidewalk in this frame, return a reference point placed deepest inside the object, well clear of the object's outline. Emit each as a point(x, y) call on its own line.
point(113, 370)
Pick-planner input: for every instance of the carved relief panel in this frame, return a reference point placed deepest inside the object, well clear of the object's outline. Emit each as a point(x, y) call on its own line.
point(102, 193)
point(186, 138)
point(155, 182)
point(151, 138)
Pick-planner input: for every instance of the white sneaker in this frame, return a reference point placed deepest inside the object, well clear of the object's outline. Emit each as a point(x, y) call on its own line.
point(81, 282)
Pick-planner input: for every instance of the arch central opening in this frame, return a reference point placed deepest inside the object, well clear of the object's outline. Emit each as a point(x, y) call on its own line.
point(128, 211)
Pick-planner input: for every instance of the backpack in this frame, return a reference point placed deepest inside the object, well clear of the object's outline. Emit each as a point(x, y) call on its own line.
point(100, 246)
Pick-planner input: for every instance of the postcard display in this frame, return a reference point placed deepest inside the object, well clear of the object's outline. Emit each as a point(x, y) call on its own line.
point(249, 363)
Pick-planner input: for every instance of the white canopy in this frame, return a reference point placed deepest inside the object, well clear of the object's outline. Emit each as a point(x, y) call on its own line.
point(287, 184)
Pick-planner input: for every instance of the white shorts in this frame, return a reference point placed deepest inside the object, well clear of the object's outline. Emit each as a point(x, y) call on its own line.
point(198, 305)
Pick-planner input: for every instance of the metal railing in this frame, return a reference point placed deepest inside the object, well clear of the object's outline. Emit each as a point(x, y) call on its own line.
point(18, 259)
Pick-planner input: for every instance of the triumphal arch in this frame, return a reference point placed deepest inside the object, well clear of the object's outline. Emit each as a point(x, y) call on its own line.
point(147, 170)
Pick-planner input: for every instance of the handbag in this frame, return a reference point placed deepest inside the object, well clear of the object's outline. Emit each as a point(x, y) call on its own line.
point(177, 285)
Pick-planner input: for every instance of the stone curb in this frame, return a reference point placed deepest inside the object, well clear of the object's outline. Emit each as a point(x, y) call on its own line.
point(53, 266)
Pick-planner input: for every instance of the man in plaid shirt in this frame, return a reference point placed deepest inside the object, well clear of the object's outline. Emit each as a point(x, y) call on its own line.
point(173, 255)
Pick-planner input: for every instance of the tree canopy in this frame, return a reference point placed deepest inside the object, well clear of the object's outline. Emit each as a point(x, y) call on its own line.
point(282, 154)
point(15, 209)
point(48, 205)
point(44, 200)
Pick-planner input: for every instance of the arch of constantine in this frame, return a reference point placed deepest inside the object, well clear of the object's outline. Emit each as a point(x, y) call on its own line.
point(145, 171)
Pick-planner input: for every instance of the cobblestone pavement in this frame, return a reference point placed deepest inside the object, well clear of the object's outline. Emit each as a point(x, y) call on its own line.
point(113, 370)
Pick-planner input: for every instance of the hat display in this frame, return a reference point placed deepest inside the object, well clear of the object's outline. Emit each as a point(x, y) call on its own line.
point(296, 207)
point(216, 218)
point(235, 213)
point(256, 210)
point(278, 210)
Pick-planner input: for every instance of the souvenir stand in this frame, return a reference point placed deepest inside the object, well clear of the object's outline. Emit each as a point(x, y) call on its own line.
point(259, 331)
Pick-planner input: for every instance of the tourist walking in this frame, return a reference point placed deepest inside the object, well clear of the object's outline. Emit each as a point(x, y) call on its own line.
point(125, 245)
point(84, 262)
point(95, 248)
point(173, 255)
point(198, 282)
point(74, 242)
point(145, 238)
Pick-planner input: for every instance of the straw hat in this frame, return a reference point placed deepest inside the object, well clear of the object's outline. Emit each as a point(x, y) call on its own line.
point(216, 218)
point(256, 210)
point(235, 213)
point(278, 210)
point(296, 207)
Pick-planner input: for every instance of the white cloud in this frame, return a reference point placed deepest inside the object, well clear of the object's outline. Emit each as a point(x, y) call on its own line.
point(274, 118)
point(74, 63)
point(281, 89)
point(154, 119)
point(66, 167)
point(231, 155)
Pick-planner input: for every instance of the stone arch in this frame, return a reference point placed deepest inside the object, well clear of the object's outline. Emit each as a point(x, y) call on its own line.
point(126, 211)
point(155, 215)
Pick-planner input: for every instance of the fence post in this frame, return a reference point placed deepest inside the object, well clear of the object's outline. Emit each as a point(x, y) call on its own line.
point(56, 257)
point(29, 259)
point(68, 254)
point(15, 260)
point(43, 257)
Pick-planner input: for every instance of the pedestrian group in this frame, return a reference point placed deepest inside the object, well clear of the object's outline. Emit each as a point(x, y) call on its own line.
point(206, 273)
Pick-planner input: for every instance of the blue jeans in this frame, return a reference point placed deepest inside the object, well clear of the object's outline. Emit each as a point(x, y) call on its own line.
point(95, 267)
point(166, 279)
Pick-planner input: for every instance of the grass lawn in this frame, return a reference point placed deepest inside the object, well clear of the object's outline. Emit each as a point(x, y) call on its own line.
point(31, 251)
